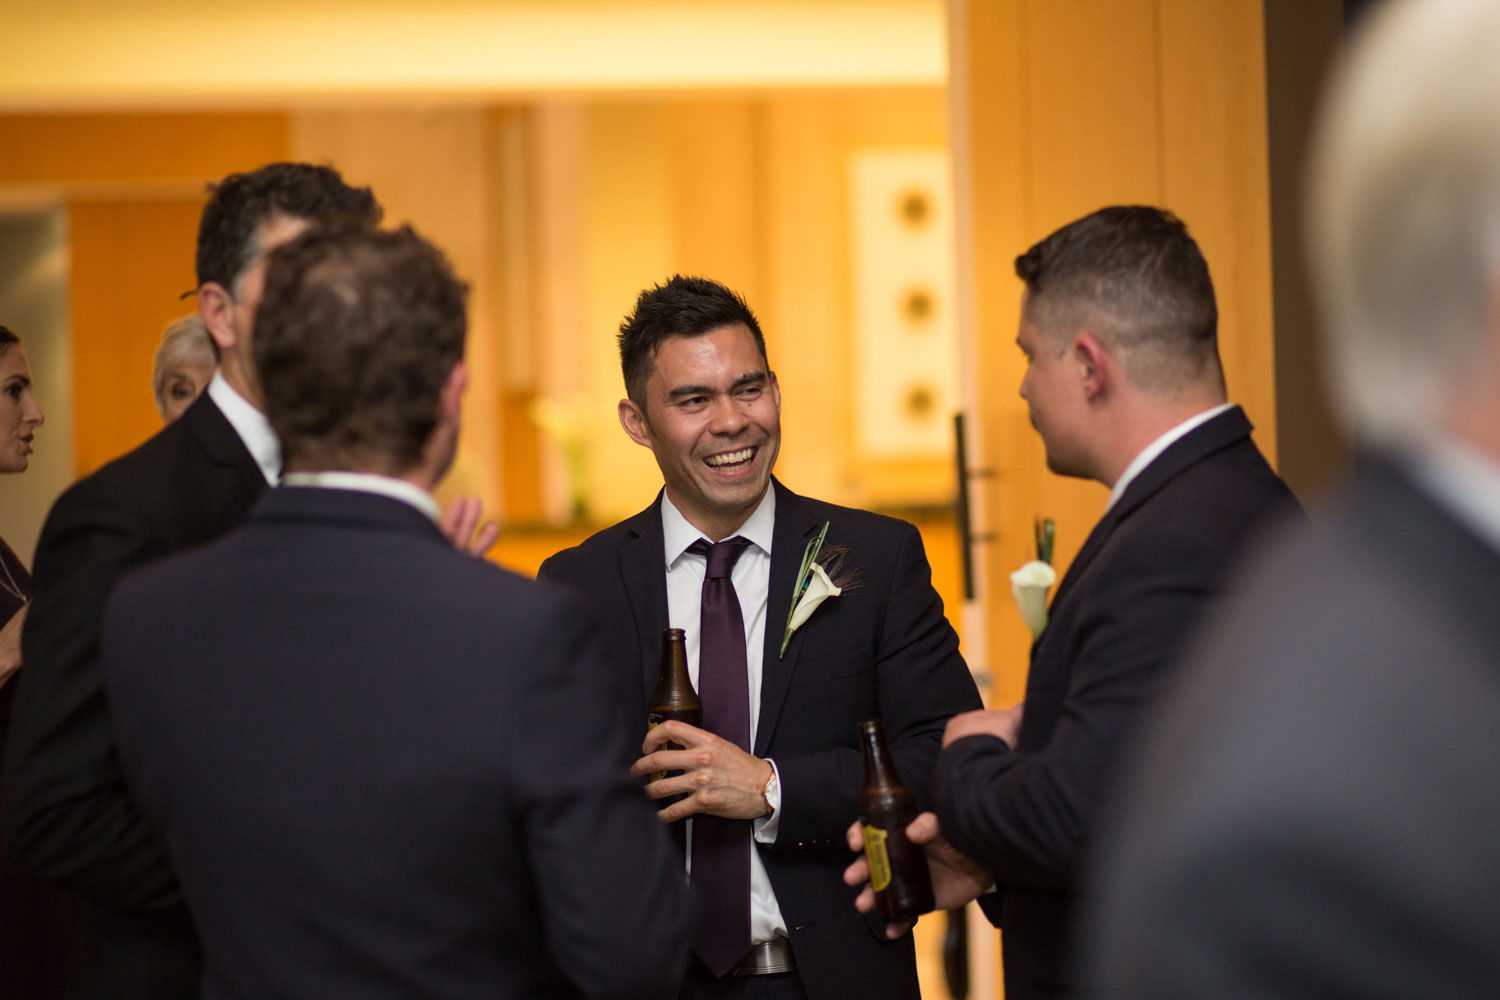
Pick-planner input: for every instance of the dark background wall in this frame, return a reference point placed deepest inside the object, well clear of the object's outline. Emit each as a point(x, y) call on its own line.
point(1304, 39)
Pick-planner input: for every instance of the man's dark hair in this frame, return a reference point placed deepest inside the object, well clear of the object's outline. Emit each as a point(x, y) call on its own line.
point(1135, 274)
point(239, 204)
point(680, 307)
point(356, 333)
point(7, 339)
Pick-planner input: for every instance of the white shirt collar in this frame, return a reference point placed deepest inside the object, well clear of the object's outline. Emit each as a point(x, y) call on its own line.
point(368, 482)
point(1150, 453)
point(250, 424)
point(1464, 481)
point(678, 533)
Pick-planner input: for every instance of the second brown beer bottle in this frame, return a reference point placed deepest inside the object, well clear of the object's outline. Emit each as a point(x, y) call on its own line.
point(898, 868)
point(674, 697)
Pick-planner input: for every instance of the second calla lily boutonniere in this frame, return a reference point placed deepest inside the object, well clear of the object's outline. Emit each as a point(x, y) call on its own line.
point(1030, 583)
point(812, 588)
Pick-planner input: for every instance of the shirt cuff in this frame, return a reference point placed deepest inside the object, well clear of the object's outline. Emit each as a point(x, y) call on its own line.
point(766, 826)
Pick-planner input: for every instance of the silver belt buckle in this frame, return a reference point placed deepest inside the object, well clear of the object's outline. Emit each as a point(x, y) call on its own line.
point(766, 958)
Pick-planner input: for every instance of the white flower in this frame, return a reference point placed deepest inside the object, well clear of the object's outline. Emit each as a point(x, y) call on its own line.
point(1029, 585)
point(819, 589)
point(816, 589)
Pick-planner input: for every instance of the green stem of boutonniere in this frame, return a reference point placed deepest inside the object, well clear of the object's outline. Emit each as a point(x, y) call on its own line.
point(804, 574)
point(1046, 532)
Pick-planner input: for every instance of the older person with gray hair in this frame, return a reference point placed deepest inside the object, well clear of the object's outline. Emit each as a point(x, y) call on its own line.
point(1315, 810)
point(185, 364)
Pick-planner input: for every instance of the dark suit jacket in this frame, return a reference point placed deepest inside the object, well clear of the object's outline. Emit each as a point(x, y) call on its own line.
point(882, 648)
point(1316, 807)
point(1147, 570)
point(68, 817)
point(387, 769)
point(36, 920)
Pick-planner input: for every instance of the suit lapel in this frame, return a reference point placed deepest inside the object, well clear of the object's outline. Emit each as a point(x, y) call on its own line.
point(1091, 547)
point(222, 446)
point(795, 527)
point(1199, 443)
point(643, 573)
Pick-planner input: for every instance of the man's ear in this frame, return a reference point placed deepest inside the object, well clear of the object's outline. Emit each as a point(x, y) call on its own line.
point(215, 305)
point(451, 396)
point(775, 390)
point(635, 423)
point(1094, 364)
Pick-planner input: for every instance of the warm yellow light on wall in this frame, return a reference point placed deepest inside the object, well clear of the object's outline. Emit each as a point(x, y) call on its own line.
point(100, 53)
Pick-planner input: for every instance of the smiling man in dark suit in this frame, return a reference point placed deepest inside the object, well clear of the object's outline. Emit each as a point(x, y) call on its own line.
point(771, 780)
point(1124, 385)
point(68, 816)
point(362, 746)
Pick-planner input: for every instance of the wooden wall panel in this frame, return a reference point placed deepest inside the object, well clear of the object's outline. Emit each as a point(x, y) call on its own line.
point(1091, 107)
point(112, 149)
point(713, 172)
point(1216, 177)
point(130, 262)
point(806, 312)
point(628, 243)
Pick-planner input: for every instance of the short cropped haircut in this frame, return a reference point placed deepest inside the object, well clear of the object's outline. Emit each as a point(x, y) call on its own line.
point(680, 307)
point(1134, 274)
point(357, 331)
point(240, 204)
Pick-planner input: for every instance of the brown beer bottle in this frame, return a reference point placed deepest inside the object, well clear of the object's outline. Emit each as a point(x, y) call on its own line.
point(898, 868)
point(674, 697)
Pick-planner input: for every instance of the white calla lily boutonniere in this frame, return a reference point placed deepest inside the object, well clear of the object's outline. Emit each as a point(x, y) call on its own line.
point(1030, 583)
point(813, 587)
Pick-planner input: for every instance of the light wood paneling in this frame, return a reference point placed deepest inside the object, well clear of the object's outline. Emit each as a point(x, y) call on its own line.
point(71, 149)
point(1215, 175)
point(1091, 107)
point(130, 262)
point(714, 179)
point(806, 309)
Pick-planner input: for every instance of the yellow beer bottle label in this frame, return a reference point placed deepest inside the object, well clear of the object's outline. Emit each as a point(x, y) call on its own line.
point(880, 863)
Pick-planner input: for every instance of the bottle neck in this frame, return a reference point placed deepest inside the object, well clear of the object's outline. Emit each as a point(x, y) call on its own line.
point(879, 769)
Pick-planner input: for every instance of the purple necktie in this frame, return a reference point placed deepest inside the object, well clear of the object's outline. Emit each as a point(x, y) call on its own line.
point(721, 847)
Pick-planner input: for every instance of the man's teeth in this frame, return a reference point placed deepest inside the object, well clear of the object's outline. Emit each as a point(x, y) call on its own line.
point(731, 457)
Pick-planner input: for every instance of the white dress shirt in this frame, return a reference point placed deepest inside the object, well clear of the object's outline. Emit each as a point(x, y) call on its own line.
point(751, 577)
point(368, 482)
point(250, 424)
point(1149, 453)
point(1464, 481)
